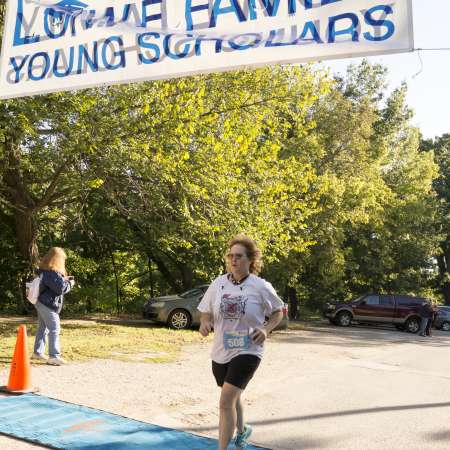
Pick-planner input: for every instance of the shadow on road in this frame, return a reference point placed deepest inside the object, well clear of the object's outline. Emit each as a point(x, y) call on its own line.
point(349, 412)
point(439, 436)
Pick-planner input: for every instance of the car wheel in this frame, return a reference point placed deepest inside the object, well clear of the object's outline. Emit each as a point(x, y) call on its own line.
point(344, 319)
point(412, 325)
point(179, 319)
point(445, 326)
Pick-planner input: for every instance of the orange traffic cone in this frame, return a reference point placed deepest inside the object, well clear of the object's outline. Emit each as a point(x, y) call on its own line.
point(19, 381)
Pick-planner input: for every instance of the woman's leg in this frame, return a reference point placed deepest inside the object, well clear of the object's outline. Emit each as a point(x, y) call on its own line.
point(53, 336)
point(228, 414)
point(240, 415)
point(428, 329)
point(41, 335)
point(51, 320)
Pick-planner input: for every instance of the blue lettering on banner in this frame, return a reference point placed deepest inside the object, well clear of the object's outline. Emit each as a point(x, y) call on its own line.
point(271, 7)
point(237, 46)
point(60, 18)
point(311, 27)
point(43, 64)
point(145, 18)
point(351, 30)
point(153, 47)
point(45, 68)
point(18, 67)
point(149, 46)
point(109, 16)
point(87, 20)
point(275, 34)
point(189, 9)
point(310, 4)
point(84, 57)
point(200, 39)
point(120, 54)
point(379, 23)
point(169, 52)
point(20, 23)
point(68, 64)
point(233, 8)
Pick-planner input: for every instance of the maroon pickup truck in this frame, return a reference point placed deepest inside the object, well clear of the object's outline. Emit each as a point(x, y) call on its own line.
point(399, 310)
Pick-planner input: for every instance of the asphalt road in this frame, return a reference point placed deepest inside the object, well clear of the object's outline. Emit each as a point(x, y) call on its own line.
point(359, 388)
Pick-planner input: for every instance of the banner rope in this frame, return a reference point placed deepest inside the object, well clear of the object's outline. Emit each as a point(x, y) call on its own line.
point(418, 50)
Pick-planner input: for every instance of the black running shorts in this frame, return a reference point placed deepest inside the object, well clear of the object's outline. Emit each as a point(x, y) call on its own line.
point(238, 372)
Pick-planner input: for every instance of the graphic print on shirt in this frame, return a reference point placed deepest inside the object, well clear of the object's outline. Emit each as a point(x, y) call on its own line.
point(232, 307)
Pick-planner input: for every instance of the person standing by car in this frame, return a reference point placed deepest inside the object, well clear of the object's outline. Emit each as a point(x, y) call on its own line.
point(426, 314)
point(236, 305)
point(428, 329)
point(54, 284)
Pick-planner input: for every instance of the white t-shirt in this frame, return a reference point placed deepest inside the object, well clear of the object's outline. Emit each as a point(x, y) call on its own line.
point(238, 310)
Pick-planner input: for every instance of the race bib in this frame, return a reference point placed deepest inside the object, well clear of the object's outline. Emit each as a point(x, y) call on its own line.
point(236, 340)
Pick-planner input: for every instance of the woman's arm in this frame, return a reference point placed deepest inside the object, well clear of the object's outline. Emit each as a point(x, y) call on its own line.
point(274, 320)
point(260, 334)
point(206, 309)
point(56, 282)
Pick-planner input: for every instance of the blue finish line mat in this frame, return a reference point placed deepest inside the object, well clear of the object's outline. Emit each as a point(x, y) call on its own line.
point(62, 425)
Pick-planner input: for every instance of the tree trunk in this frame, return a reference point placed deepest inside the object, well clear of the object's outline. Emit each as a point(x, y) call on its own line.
point(187, 276)
point(444, 275)
point(23, 207)
point(446, 292)
point(167, 274)
point(27, 236)
point(143, 237)
point(22, 203)
point(293, 303)
point(150, 275)
point(116, 276)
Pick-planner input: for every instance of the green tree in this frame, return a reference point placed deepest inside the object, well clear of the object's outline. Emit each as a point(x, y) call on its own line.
point(440, 147)
point(195, 163)
point(374, 225)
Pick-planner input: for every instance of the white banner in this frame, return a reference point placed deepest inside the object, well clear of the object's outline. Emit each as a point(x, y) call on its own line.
point(55, 45)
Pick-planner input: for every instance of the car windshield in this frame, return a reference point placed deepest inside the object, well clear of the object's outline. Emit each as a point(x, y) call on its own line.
point(191, 293)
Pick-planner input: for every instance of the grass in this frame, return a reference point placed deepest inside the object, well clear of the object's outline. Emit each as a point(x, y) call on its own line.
point(82, 340)
point(297, 326)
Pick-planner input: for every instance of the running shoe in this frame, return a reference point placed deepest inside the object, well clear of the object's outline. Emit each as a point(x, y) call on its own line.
point(241, 439)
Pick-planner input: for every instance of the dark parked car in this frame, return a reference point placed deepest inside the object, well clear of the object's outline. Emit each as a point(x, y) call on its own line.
point(180, 311)
point(442, 320)
point(399, 310)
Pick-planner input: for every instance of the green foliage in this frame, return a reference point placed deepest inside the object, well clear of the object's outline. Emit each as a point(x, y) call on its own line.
point(144, 184)
point(375, 223)
point(440, 149)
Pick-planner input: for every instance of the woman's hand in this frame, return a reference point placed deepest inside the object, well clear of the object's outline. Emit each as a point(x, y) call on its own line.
point(206, 324)
point(259, 335)
point(205, 328)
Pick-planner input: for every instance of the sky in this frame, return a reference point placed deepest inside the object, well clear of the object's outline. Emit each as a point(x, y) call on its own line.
point(429, 91)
